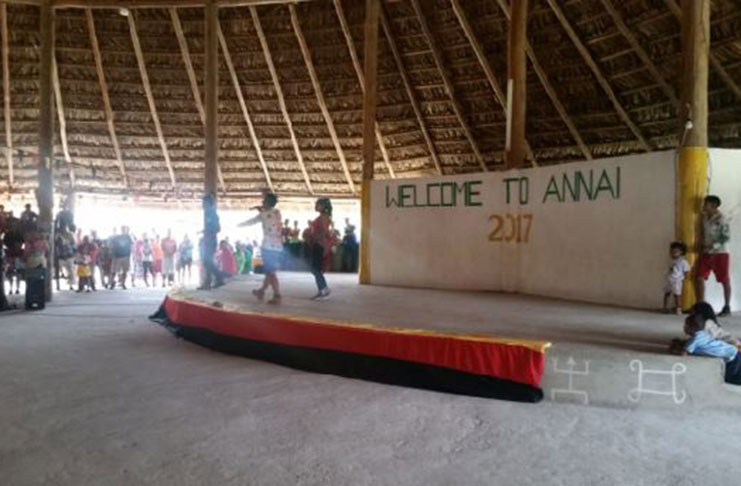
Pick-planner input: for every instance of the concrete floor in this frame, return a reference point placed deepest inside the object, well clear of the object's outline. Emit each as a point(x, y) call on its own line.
point(92, 393)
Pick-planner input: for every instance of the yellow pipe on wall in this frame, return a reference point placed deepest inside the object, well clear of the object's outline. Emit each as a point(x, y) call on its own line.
point(692, 187)
point(365, 221)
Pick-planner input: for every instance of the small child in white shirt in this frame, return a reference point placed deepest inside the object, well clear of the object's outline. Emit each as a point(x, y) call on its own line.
point(675, 276)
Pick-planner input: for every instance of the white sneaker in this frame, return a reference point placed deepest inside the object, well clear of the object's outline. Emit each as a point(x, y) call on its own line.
point(317, 296)
point(324, 294)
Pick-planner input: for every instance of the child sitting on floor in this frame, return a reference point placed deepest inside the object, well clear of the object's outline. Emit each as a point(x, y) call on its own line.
point(675, 277)
point(702, 342)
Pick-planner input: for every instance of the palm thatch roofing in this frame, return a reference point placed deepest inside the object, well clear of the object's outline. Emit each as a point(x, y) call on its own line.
point(634, 44)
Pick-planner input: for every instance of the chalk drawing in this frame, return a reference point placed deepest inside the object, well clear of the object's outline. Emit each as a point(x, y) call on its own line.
point(677, 369)
point(570, 371)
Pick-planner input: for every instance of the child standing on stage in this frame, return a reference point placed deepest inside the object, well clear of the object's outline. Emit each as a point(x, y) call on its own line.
point(319, 240)
point(272, 245)
point(676, 275)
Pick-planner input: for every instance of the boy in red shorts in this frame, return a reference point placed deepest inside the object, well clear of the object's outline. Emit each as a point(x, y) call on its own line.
point(714, 256)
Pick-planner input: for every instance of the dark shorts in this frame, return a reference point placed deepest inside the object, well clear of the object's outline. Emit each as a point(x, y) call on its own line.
point(271, 260)
point(717, 263)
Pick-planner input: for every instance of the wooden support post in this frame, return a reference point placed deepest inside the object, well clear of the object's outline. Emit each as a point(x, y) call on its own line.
point(6, 91)
point(693, 156)
point(212, 97)
point(372, 12)
point(45, 190)
point(516, 146)
point(185, 53)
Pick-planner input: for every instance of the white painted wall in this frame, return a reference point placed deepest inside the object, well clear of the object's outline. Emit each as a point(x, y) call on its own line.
point(725, 182)
point(609, 250)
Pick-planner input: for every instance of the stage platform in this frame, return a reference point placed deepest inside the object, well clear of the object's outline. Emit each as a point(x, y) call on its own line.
point(587, 354)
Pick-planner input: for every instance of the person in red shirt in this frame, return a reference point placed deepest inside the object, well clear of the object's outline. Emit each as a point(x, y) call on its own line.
point(169, 248)
point(320, 242)
point(227, 262)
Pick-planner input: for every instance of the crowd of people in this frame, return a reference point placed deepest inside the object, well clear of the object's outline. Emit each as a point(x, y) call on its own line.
point(86, 262)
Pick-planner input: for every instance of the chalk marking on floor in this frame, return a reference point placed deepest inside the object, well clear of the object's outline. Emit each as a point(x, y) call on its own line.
point(570, 371)
point(677, 369)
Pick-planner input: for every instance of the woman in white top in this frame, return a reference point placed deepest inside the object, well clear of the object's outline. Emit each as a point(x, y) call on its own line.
point(272, 245)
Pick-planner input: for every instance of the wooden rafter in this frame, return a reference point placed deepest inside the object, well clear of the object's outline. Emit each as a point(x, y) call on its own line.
point(359, 71)
point(598, 74)
point(279, 94)
point(150, 96)
point(640, 51)
point(62, 120)
point(185, 53)
point(714, 62)
point(550, 91)
point(410, 91)
point(243, 106)
point(104, 93)
point(479, 52)
point(427, 34)
point(6, 91)
point(320, 96)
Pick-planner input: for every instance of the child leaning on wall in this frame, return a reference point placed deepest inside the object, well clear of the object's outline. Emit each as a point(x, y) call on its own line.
point(675, 276)
point(702, 342)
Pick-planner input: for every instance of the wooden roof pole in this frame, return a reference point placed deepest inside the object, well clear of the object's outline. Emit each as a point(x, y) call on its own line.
point(427, 34)
point(479, 51)
point(640, 52)
point(6, 91)
point(410, 91)
point(714, 62)
point(515, 146)
point(185, 52)
point(104, 93)
point(150, 96)
point(547, 86)
point(598, 74)
point(62, 121)
point(211, 95)
point(243, 106)
point(45, 167)
point(359, 71)
point(320, 97)
point(279, 94)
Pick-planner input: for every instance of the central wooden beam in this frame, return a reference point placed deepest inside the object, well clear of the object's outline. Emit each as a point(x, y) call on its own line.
point(211, 57)
point(62, 123)
point(410, 92)
point(449, 89)
point(104, 93)
point(185, 53)
point(695, 72)
point(45, 171)
point(150, 97)
point(515, 146)
point(598, 74)
point(243, 106)
point(6, 91)
point(281, 98)
point(320, 97)
point(361, 78)
point(549, 89)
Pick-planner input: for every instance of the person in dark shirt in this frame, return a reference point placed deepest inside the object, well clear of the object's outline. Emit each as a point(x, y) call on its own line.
point(211, 229)
point(121, 253)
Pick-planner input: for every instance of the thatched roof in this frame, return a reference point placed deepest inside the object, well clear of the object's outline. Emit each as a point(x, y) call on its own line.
point(641, 67)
